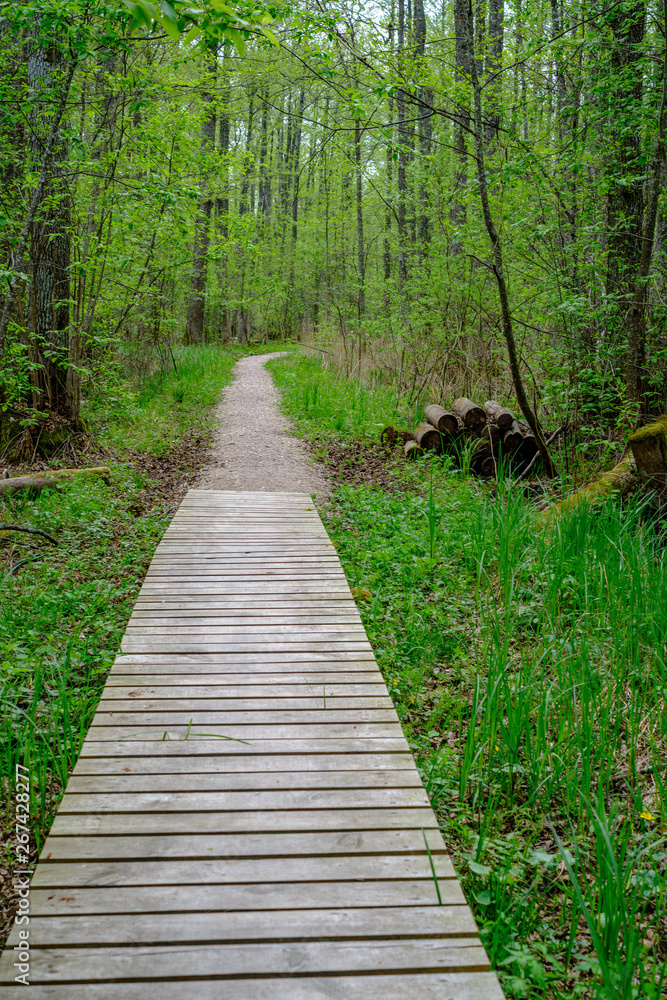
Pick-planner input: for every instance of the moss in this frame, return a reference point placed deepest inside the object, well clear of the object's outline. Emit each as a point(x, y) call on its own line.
point(658, 426)
point(657, 429)
point(619, 479)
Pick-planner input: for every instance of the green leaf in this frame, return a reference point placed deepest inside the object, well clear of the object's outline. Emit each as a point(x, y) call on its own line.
point(479, 869)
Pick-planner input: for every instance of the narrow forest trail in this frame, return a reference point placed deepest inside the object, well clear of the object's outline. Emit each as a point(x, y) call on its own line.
point(253, 449)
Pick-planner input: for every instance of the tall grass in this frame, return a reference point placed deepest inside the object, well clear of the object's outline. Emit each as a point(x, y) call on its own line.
point(335, 403)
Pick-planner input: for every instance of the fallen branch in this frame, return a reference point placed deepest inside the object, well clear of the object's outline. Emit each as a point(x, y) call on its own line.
point(47, 480)
point(6, 528)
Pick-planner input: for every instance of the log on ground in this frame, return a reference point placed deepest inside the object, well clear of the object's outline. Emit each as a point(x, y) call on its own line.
point(620, 479)
point(445, 421)
point(48, 480)
point(428, 437)
point(498, 414)
point(473, 416)
point(411, 451)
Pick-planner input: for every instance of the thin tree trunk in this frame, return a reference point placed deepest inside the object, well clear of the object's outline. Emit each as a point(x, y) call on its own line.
point(625, 201)
point(635, 319)
point(498, 268)
point(425, 131)
point(194, 323)
point(458, 211)
point(360, 220)
point(494, 64)
point(402, 185)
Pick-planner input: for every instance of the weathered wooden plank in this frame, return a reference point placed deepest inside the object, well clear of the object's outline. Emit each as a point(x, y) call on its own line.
point(271, 896)
point(304, 764)
point(251, 822)
point(242, 685)
point(315, 633)
point(159, 962)
point(215, 748)
point(245, 781)
point(252, 695)
point(417, 984)
point(252, 871)
point(243, 845)
point(186, 733)
point(134, 715)
point(327, 924)
point(242, 801)
point(318, 699)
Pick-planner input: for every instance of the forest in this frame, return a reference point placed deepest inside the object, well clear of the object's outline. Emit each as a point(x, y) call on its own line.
point(418, 202)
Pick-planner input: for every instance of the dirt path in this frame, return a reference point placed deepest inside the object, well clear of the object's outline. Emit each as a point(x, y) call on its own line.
point(252, 449)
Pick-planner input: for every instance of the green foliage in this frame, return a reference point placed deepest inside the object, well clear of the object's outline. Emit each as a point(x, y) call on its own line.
point(163, 407)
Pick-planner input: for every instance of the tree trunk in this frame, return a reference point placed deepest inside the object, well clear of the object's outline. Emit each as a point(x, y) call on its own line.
point(401, 182)
point(625, 200)
point(462, 127)
point(50, 244)
point(634, 321)
point(498, 269)
point(494, 64)
point(194, 323)
point(360, 220)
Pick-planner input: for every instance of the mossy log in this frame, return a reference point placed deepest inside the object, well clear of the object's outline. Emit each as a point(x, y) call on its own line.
point(649, 448)
point(48, 480)
point(442, 419)
point(617, 480)
point(428, 437)
point(473, 416)
point(499, 414)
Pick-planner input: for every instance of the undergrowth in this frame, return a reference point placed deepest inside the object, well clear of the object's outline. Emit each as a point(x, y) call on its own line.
point(528, 665)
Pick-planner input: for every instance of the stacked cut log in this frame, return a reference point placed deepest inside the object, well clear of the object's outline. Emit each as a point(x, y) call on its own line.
point(487, 433)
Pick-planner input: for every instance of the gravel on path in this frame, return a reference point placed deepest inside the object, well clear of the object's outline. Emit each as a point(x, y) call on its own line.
point(252, 448)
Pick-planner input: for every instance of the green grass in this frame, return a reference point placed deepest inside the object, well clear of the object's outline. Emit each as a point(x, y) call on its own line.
point(322, 399)
point(528, 665)
point(156, 411)
point(61, 621)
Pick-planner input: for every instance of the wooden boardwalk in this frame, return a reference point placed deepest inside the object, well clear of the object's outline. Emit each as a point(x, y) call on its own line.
point(245, 821)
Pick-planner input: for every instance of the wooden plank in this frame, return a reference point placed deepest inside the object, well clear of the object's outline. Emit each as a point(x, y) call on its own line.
point(214, 748)
point(242, 685)
point(134, 715)
point(330, 924)
point(250, 822)
point(317, 699)
point(273, 896)
point(253, 871)
point(159, 962)
point(242, 845)
point(303, 766)
point(425, 986)
point(244, 781)
point(252, 694)
point(242, 801)
point(185, 733)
